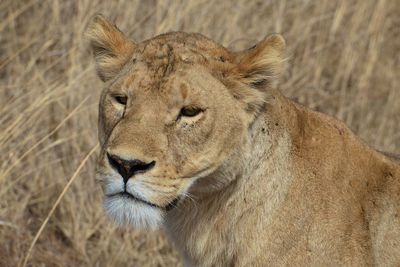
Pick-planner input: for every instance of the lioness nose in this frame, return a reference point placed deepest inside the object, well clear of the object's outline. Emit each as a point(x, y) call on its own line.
point(128, 168)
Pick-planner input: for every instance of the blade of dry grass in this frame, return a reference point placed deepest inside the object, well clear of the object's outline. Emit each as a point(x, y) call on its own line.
point(18, 160)
point(66, 187)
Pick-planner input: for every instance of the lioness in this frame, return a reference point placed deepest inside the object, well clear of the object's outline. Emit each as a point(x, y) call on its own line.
point(198, 140)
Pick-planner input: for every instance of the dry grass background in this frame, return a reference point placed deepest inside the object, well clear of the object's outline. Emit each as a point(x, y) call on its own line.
point(344, 60)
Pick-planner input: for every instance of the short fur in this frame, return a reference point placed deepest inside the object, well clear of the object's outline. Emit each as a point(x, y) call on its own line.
point(261, 180)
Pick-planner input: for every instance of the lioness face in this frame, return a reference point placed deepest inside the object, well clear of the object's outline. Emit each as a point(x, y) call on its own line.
point(159, 135)
point(172, 111)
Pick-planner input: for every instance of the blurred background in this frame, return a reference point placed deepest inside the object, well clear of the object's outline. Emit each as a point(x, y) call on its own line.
point(343, 60)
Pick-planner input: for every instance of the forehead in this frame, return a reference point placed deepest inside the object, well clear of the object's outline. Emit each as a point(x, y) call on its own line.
point(167, 57)
point(179, 46)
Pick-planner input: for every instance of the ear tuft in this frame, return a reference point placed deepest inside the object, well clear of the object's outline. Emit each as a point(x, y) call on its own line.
point(111, 48)
point(261, 65)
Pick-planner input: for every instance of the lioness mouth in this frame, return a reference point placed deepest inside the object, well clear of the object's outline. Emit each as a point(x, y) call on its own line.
point(125, 194)
point(172, 204)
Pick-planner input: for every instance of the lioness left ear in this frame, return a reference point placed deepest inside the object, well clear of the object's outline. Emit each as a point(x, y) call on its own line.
point(111, 48)
point(261, 66)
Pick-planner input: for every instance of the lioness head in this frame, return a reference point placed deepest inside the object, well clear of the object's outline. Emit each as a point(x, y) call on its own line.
point(172, 112)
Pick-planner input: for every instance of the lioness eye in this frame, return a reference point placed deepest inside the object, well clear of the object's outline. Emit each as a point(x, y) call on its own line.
point(190, 111)
point(121, 99)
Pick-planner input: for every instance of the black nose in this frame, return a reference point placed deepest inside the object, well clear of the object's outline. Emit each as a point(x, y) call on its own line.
point(128, 168)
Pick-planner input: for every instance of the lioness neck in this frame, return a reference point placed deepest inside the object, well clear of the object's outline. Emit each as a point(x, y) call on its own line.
point(209, 229)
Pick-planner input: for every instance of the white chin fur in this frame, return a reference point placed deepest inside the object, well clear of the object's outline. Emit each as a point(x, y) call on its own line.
point(128, 211)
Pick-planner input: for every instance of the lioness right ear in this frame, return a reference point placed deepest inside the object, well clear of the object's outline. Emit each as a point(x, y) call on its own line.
point(111, 48)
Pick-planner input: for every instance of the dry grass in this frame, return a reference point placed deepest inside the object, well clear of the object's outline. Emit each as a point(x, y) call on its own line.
point(344, 61)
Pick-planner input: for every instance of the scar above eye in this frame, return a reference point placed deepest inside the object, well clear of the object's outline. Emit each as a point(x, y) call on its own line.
point(184, 90)
point(130, 80)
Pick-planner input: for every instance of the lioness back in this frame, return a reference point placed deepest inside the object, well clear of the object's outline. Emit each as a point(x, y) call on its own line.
point(198, 140)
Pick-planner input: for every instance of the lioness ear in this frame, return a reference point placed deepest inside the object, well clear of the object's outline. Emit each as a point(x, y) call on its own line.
point(111, 48)
point(261, 65)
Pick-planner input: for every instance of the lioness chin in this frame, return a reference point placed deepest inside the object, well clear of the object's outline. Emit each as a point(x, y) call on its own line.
point(199, 140)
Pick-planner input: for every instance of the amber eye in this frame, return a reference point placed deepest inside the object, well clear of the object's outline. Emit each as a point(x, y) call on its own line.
point(121, 99)
point(190, 111)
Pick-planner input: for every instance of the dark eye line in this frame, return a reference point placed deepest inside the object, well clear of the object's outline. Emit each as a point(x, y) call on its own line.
point(189, 112)
point(121, 99)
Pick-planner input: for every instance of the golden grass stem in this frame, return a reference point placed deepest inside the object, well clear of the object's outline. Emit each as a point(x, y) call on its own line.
point(66, 187)
point(43, 138)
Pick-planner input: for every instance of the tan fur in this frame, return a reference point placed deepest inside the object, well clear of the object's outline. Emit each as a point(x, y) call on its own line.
point(261, 181)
